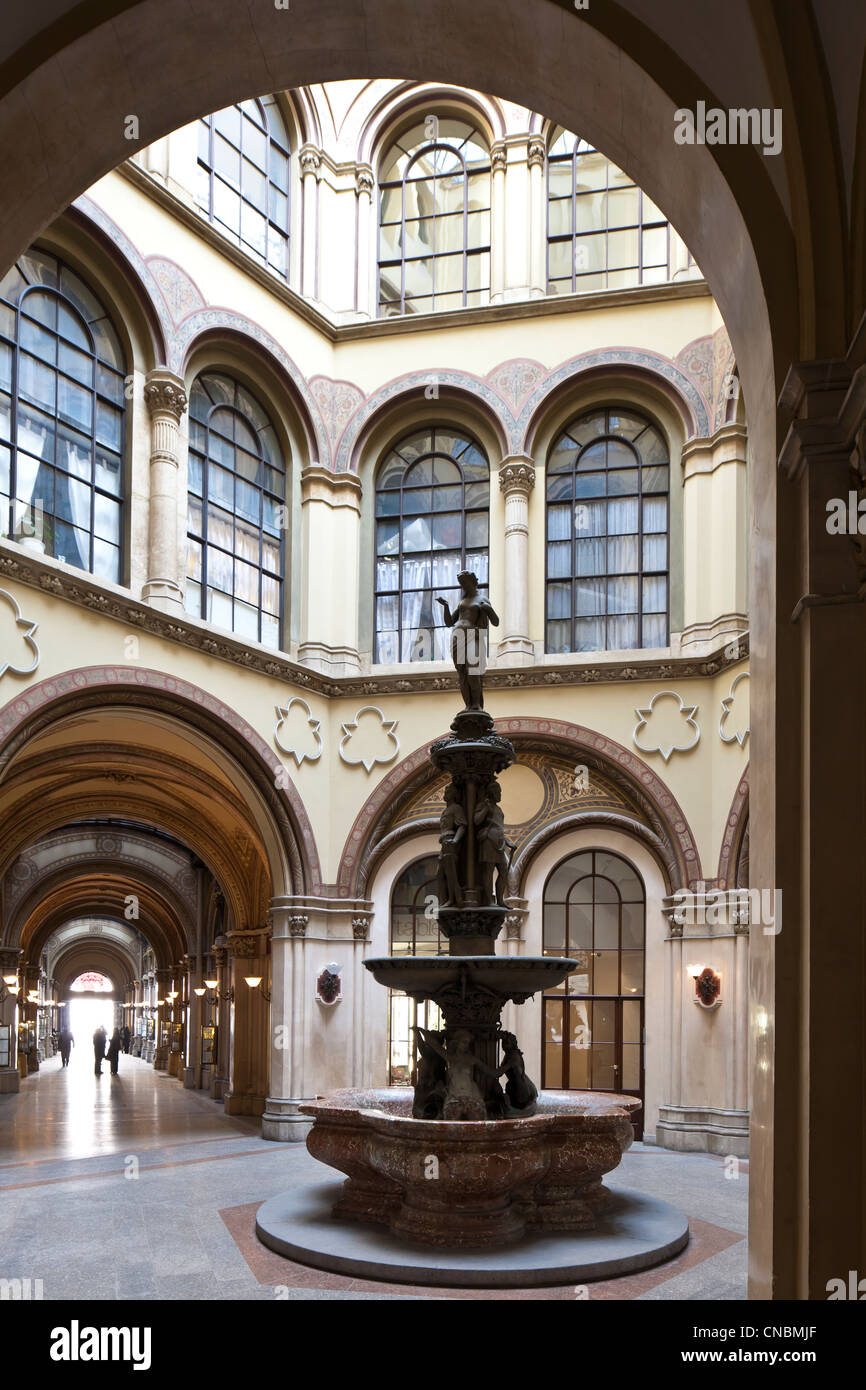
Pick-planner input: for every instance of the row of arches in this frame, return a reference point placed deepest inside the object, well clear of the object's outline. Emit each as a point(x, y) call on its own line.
point(65, 446)
point(433, 166)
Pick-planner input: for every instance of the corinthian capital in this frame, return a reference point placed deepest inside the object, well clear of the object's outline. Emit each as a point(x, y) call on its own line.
point(311, 159)
point(517, 475)
point(364, 180)
point(536, 151)
point(165, 394)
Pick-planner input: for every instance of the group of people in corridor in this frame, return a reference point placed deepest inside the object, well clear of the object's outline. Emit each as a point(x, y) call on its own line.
point(102, 1047)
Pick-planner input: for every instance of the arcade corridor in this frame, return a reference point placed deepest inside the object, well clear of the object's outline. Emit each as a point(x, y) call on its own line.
point(98, 1202)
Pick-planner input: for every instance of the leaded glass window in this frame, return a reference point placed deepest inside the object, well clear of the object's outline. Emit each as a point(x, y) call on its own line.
point(243, 179)
point(236, 511)
point(434, 220)
point(414, 932)
point(432, 521)
point(62, 417)
point(607, 535)
point(603, 232)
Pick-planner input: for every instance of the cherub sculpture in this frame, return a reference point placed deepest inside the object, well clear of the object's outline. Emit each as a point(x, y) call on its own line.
point(452, 829)
point(492, 844)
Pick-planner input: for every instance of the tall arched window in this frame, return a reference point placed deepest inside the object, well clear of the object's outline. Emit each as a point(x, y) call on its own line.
point(432, 521)
point(237, 494)
point(62, 412)
point(434, 220)
point(243, 178)
point(603, 232)
point(595, 912)
point(414, 932)
point(607, 535)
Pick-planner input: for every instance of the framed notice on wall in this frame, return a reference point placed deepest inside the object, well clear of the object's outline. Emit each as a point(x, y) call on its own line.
point(208, 1045)
point(164, 1033)
point(5, 1044)
point(177, 1037)
point(150, 1028)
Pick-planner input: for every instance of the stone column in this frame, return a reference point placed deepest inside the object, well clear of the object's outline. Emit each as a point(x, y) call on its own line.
point(166, 400)
point(9, 1077)
point(366, 259)
point(281, 1120)
point(220, 1083)
point(516, 479)
point(163, 1015)
point(536, 158)
point(310, 161)
point(30, 1012)
point(808, 821)
point(715, 540)
point(498, 163)
point(192, 1078)
point(331, 525)
point(248, 954)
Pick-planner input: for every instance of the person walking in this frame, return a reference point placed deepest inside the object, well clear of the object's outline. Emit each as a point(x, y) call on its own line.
point(114, 1051)
point(98, 1049)
point(125, 1037)
point(67, 1042)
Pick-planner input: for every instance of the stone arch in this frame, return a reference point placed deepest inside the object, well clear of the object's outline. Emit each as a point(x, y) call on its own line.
point(649, 369)
point(460, 387)
point(735, 837)
point(91, 953)
point(415, 100)
point(655, 816)
point(213, 325)
point(280, 814)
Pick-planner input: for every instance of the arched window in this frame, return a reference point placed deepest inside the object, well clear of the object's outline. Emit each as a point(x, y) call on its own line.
point(237, 494)
point(243, 178)
point(62, 411)
point(434, 220)
point(432, 521)
point(603, 232)
point(607, 535)
point(595, 912)
point(414, 932)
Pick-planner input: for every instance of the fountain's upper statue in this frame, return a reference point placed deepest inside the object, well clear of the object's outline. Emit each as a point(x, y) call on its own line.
point(470, 621)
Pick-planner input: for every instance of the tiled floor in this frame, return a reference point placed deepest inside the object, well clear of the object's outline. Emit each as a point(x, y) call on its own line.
point(132, 1187)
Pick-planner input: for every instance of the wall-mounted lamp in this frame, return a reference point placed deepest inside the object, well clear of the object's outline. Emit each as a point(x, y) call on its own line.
point(200, 991)
point(708, 985)
point(254, 981)
point(10, 980)
point(211, 984)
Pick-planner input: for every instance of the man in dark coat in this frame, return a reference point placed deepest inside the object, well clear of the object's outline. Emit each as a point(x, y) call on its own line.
point(66, 1043)
point(114, 1051)
point(98, 1049)
point(125, 1037)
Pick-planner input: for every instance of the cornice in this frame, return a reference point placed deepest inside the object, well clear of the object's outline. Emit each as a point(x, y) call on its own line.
point(114, 603)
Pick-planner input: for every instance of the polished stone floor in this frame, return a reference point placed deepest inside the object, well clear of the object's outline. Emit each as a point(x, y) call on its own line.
point(132, 1187)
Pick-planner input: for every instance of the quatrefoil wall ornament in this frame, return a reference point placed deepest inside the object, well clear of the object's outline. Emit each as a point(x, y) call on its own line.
point(296, 732)
point(663, 728)
point(735, 712)
point(19, 652)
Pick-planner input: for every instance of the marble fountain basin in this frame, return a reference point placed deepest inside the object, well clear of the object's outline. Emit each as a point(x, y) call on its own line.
point(471, 1183)
point(507, 976)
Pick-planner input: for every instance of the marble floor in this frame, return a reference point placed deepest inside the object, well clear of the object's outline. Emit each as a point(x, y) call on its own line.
point(132, 1187)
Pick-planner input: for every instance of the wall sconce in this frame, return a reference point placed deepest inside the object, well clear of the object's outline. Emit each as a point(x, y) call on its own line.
point(10, 980)
point(254, 981)
point(211, 984)
point(708, 985)
point(200, 991)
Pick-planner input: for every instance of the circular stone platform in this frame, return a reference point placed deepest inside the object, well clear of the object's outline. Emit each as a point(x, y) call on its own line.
point(635, 1233)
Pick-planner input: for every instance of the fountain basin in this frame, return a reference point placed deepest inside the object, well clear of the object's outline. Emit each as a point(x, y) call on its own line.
point(508, 977)
point(471, 1183)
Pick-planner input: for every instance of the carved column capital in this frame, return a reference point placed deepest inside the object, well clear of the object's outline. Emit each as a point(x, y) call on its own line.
point(364, 180)
point(310, 159)
point(244, 944)
point(536, 151)
point(165, 394)
point(517, 474)
point(361, 927)
point(298, 924)
point(498, 157)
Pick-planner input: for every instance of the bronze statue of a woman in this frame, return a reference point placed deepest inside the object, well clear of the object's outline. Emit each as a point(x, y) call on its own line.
point(470, 621)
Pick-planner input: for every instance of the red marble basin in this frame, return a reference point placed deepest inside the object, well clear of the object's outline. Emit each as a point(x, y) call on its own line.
point(471, 1183)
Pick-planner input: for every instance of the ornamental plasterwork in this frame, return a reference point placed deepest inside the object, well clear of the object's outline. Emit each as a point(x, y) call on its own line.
point(655, 737)
point(16, 638)
point(382, 744)
point(298, 735)
point(735, 712)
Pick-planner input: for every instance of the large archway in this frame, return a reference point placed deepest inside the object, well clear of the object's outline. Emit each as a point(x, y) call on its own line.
point(790, 280)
